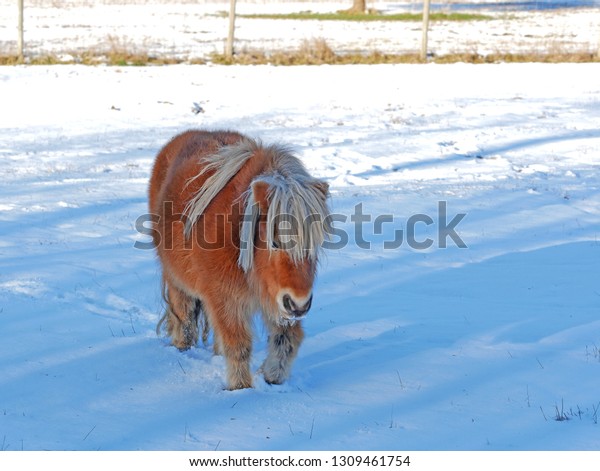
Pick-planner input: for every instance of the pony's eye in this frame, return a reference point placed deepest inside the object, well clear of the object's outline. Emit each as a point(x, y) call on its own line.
point(275, 244)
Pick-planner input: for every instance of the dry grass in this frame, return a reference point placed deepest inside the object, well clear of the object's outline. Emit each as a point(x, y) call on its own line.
point(552, 58)
point(318, 52)
point(114, 51)
point(349, 15)
point(119, 52)
point(93, 58)
point(314, 52)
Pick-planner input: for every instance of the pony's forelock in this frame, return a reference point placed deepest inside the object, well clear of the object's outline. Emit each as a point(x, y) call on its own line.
point(249, 225)
point(294, 201)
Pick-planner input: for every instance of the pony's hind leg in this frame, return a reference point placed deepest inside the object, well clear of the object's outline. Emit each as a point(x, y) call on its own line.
point(183, 313)
point(283, 343)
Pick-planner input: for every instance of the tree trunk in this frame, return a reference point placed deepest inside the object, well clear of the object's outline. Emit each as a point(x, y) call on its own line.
point(358, 6)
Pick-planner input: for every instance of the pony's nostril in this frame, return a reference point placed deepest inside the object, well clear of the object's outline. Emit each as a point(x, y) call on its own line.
point(292, 308)
point(304, 309)
point(288, 304)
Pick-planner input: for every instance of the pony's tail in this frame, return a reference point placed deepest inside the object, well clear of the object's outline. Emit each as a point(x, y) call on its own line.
point(165, 296)
point(203, 319)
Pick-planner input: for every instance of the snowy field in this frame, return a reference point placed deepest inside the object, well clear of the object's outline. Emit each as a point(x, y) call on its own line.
point(490, 347)
point(194, 30)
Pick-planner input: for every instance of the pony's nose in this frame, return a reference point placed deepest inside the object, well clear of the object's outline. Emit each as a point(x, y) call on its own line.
point(293, 309)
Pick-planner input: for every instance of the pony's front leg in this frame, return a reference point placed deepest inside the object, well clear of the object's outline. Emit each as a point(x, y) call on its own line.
point(234, 338)
point(284, 342)
point(237, 350)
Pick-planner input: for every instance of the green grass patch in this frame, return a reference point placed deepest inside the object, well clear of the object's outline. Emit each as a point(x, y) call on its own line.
point(349, 16)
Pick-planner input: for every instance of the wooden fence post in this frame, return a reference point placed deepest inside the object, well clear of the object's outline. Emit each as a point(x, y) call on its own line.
point(20, 42)
point(231, 34)
point(426, 4)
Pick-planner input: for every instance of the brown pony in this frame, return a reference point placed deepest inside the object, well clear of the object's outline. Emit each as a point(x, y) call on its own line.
point(238, 227)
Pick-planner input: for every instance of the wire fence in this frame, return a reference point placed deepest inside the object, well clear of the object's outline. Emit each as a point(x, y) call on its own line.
point(188, 30)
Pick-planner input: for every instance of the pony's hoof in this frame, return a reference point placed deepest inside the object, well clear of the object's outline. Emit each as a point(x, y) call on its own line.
point(241, 385)
point(182, 348)
point(274, 378)
point(274, 382)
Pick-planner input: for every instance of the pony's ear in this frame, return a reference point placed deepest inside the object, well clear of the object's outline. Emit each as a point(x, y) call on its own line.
point(260, 191)
point(322, 187)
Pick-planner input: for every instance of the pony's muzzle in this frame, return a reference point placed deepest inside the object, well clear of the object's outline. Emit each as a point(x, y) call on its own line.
point(296, 309)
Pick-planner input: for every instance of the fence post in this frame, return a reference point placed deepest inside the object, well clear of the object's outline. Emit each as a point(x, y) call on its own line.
point(230, 36)
point(20, 43)
point(426, 4)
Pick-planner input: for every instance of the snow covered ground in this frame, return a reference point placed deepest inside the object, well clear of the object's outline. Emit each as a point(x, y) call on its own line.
point(193, 30)
point(477, 348)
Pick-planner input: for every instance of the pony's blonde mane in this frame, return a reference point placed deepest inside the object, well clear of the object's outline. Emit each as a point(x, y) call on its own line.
point(226, 163)
point(296, 200)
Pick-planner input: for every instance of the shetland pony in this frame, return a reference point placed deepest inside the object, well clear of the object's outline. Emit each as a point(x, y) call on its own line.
point(238, 227)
